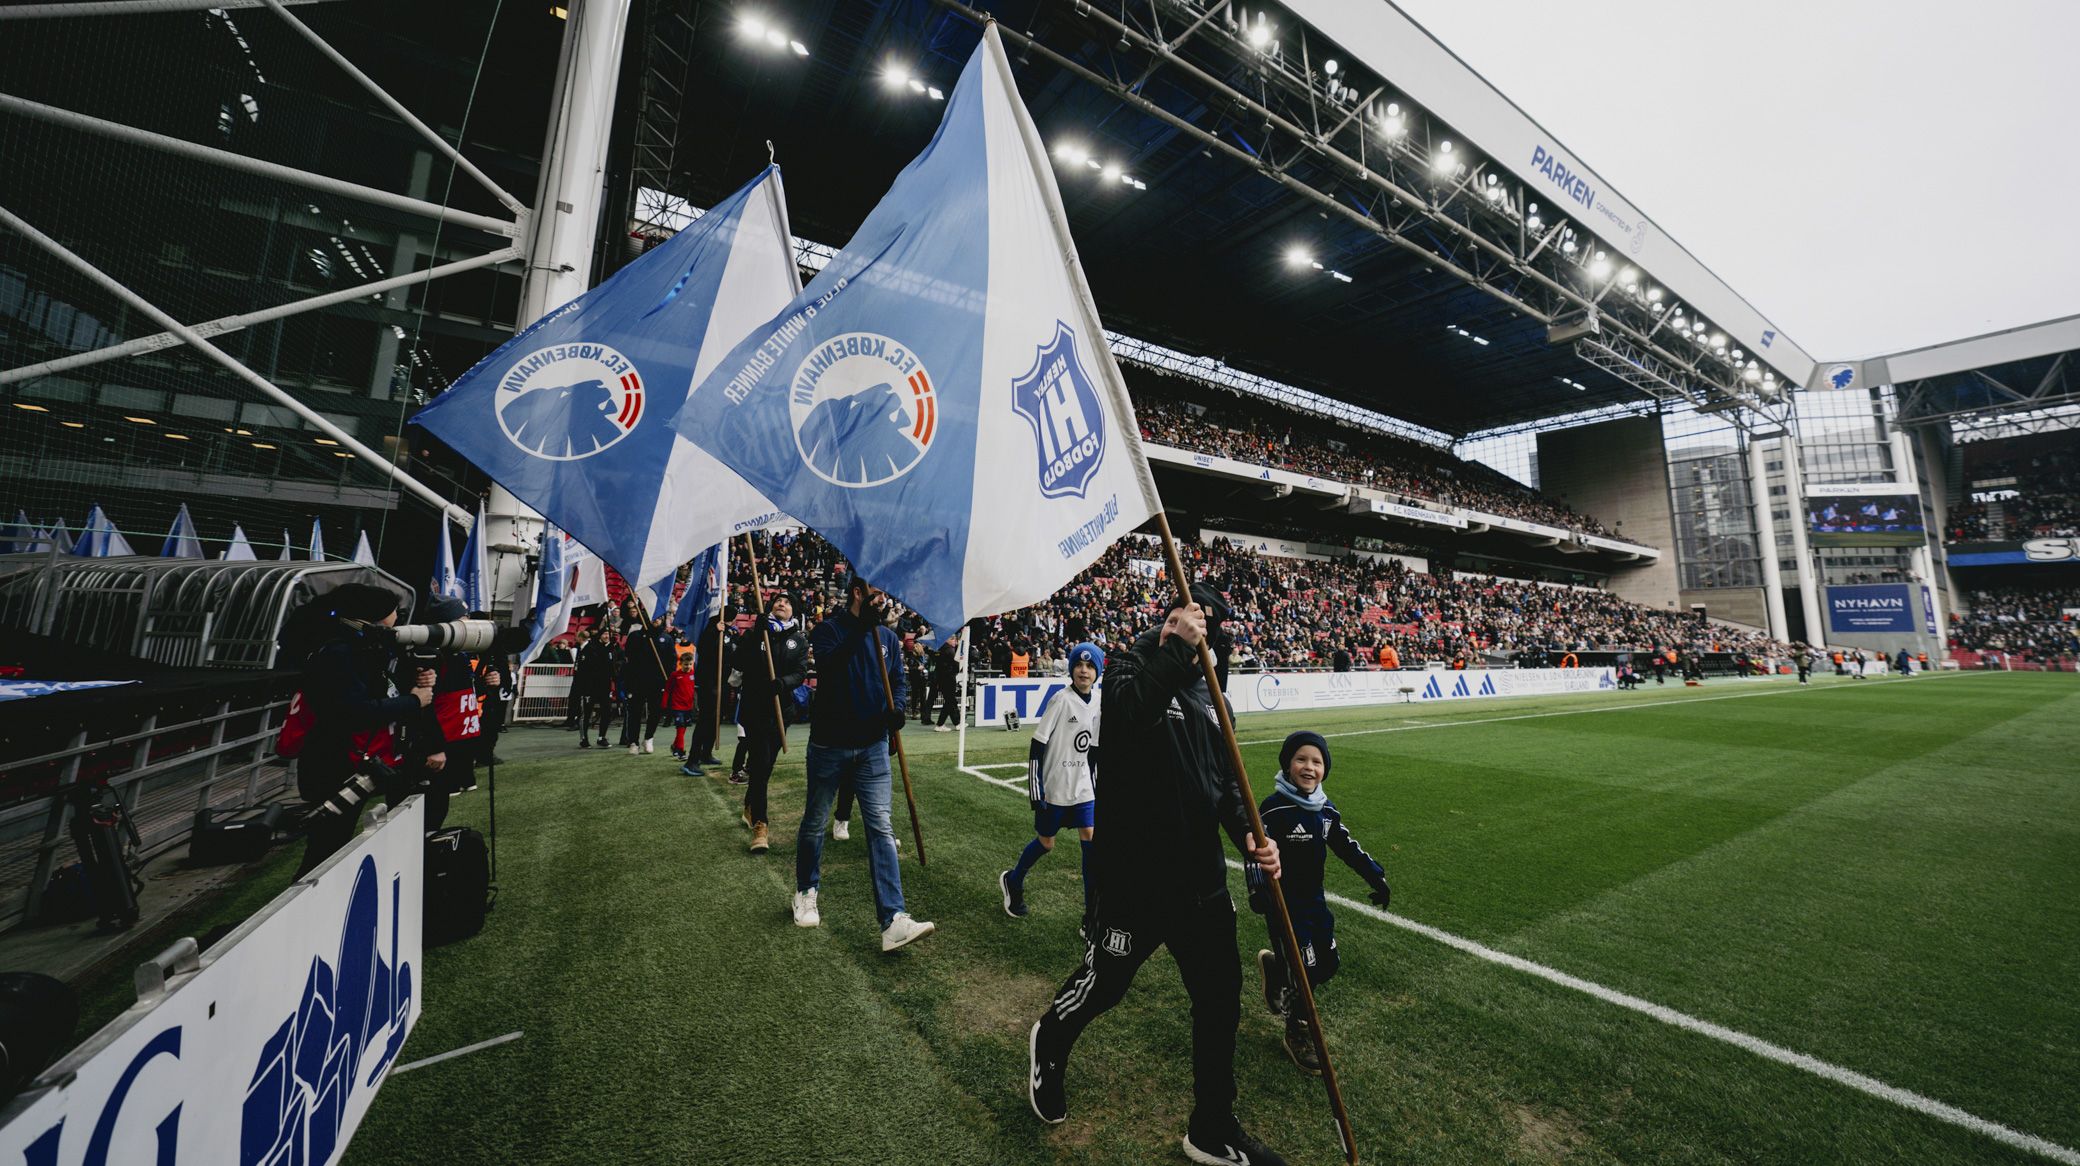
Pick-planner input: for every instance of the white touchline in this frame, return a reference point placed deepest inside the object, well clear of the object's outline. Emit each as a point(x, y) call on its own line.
point(1623, 708)
point(465, 1050)
point(1906, 1098)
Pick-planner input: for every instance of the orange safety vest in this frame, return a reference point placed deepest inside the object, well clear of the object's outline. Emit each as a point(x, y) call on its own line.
point(1020, 663)
point(1389, 658)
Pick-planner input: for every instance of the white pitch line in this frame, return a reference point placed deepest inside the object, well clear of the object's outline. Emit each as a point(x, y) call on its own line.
point(1906, 1098)
point(453, 1053)
point(1623, 708)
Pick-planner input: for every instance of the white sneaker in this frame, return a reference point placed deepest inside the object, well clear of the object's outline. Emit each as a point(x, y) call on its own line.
point(841, 829)
point(903, 929)
point(634, 749)
point(649, 746)
point(943, 729)
point(805, 913)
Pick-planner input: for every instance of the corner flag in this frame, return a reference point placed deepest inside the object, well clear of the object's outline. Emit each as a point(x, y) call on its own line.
point(573, 415)
point(940, 403)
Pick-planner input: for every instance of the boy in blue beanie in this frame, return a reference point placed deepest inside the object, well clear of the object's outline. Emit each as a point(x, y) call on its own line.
point(1060, 766)
point(1306, 826)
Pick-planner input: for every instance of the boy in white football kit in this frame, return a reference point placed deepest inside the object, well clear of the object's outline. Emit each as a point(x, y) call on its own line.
point(1059, 767)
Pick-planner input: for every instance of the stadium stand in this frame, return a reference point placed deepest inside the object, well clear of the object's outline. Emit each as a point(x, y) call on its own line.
point(2032, 625)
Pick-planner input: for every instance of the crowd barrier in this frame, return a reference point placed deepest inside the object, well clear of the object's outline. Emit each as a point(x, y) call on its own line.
point(267, 1048)
point(1263, 692)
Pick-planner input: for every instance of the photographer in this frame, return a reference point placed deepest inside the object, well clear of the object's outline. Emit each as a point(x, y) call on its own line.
point(441, 739)
point(352, 706)
point(497, 688)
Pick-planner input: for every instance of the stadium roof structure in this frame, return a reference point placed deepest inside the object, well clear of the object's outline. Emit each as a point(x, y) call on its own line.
point(1390, 231)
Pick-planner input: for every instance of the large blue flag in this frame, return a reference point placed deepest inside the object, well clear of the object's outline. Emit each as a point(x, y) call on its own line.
point(573, 415)
point(552, 610)
point(318, 539)
point(241, 548)
point(940, 402)
point(181, 542)
point(444, 581)
point(705, 589)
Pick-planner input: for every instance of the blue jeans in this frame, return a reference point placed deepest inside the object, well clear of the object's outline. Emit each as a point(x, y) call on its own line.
point(866, 770)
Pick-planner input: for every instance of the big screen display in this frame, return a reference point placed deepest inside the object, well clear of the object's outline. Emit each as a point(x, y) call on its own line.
point(1865, 520)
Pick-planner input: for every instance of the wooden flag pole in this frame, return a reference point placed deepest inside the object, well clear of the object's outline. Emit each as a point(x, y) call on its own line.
point(902, 758)
point(765, 640)
point(1293, 963)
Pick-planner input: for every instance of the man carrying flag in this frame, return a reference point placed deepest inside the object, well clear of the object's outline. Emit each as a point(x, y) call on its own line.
point(941, 405)
point(573, 414)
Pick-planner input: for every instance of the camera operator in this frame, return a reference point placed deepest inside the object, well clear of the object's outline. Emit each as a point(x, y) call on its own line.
point(352, 704)
point(441, 739)
point(497, 688)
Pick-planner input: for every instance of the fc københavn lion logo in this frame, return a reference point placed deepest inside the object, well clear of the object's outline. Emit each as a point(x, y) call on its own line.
point(569, 401)
point(863, 409)
point(1061, 405)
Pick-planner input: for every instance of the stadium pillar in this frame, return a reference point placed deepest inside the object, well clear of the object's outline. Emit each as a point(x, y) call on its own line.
point(564, 230)
point(1766, 542)
point(1808, 583)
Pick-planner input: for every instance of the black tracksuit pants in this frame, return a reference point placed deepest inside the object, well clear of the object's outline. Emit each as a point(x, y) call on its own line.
point(1201, 938)
point(763, 743)
point(639, 716)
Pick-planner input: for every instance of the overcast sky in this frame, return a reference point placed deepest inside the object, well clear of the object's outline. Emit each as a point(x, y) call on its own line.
point(1872, 176)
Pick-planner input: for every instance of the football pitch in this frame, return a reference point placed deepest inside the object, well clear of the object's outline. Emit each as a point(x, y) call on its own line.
point(1738, 923)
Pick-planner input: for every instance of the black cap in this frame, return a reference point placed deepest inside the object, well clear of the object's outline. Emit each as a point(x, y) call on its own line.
point(1292, 746)
point(445, 609)
point(1206, 593)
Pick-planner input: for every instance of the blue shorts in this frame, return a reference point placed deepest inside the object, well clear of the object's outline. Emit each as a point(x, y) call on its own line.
point(681, 718)
point(1050, 818)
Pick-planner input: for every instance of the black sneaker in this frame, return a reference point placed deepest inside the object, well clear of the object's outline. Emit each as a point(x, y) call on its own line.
point(739, 777)
point(1229, 1147)
point(1300, 1046)
point(691, 770)
point(584, 743)
point(1014, 895)
point(711, 760)
point(1044, 1083)
point(1273, 982)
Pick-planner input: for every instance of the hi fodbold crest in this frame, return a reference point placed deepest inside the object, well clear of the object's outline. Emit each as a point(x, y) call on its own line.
point(863, 409)
point(1060, 403)
point(569, 401)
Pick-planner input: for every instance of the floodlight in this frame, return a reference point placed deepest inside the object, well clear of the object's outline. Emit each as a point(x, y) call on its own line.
point(776, 38)
point(1533, 208)
point(1567, 247)
point(1736, 354)
point(1534, 223)
point(1494, 194)
point(753, 27)
point(1071, 152)
point(1445, 147)
point(1109, 173)
point(1629, 276)
point(1718, 341)
point(1298, 256)
point(800, 49)
point(1260, 33)
point(1599, 267)
point(1492, 180)
point(935, 93)
point(916, 86)
point(895, 76)
point(1340, 277)
point(1127, 179)
point(1393, 127)
point(1752, 375)
point(1329, 66)
point(1653, 295)
point(1700, 325)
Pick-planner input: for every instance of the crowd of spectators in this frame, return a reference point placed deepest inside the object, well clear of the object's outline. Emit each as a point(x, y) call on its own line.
point(2043, 501)
point(1305, 613)
point(2029, 624)
point(1263, 434)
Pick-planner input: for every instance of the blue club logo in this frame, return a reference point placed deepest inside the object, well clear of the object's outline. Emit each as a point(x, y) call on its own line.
point(1061, 404)
point(569, 401)
point(1841, 376)
point(863, 409)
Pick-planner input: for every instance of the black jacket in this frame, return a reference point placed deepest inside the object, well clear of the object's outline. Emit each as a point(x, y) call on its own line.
point(1305, 840)
point(851, 705)
point(1165, 791)
point(644, 671)
point(346, 685)
point(790, 667)
point(595, 669)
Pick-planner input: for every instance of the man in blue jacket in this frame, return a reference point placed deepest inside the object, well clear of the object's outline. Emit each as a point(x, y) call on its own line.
point(849, 726)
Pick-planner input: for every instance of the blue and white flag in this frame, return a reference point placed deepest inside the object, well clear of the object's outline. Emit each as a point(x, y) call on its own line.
point(20, 536)
point(241, 548)
point(706, 586)
point(476, 579)
point(573, 415)
point(181, 542)
point(100, 539)
point(318, 540)
point(287, 543)
point(444, 580)
point(940, 403)
point(552, 611)
point(366, 557)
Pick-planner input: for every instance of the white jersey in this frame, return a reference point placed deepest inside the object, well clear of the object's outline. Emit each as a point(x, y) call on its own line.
point(1069, 731)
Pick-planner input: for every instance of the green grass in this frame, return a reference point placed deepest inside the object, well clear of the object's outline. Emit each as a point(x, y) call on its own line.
point(1883, 874)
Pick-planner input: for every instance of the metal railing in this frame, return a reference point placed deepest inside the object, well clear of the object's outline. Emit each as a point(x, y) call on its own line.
point(169, 772)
